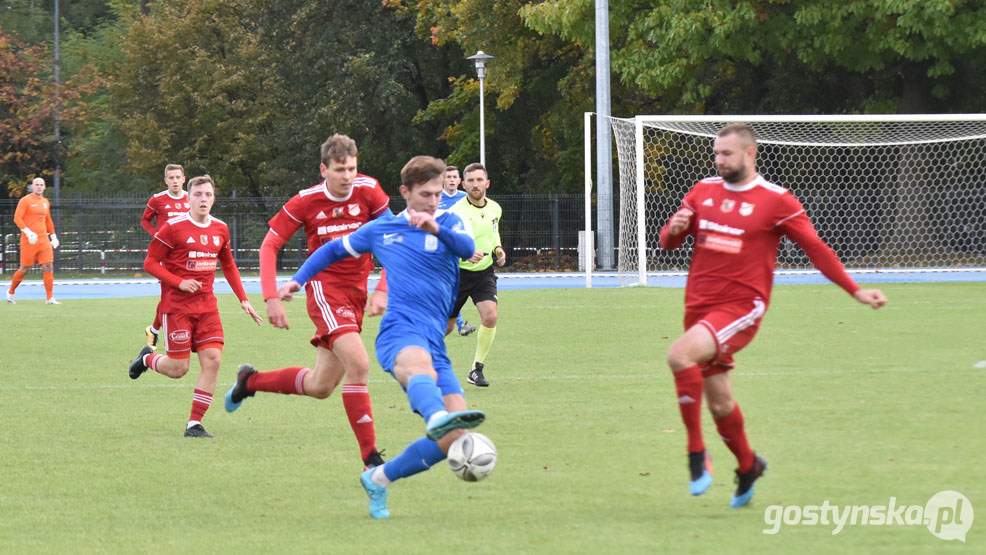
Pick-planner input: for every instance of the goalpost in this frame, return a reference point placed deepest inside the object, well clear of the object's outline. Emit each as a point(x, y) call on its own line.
point(901, 192)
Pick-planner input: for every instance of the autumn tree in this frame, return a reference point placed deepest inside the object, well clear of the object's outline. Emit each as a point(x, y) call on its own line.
point(27, 105)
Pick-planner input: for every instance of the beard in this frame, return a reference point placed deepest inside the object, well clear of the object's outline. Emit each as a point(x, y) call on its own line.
point(734, 175)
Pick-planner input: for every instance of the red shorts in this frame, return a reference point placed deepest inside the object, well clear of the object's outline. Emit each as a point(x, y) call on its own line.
point(732, 325)
point(187, 333)
point(334, 310)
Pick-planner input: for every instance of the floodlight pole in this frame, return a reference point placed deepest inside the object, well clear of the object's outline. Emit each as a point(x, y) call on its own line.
point(480, 58)
point(58, 131)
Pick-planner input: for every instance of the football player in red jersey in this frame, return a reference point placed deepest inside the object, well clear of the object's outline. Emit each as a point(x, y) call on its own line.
point(336, 297)
point(183, 255)
point(161, 207)
point(738, 220)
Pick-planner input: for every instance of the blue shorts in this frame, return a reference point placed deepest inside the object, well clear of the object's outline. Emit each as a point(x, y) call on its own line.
point(396, 336)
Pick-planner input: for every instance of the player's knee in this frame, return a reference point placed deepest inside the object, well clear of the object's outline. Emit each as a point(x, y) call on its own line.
point(677, 360)
point(720, 407)
point(320, 391)
point(358, 373)
point(181, 368)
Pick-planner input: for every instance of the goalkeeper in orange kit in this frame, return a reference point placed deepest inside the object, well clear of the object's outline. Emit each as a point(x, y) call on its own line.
point(38, 240)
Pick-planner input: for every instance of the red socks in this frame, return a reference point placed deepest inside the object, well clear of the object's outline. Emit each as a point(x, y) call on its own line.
point(688, 383)
point(356, 400)
point(289, 381)
point(731, 429)
point(200, 403)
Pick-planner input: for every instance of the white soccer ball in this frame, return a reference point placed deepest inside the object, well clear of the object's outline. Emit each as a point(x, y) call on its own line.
point(472, 456)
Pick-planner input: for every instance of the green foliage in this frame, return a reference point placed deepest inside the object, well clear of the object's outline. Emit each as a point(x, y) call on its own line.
point(694, 56)
point(27, 108)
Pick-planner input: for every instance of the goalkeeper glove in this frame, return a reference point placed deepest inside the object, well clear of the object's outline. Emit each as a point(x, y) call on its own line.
point(32, 237)
point(54, 241)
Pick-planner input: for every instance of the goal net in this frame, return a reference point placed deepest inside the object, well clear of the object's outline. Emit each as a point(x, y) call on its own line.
point(903, 192)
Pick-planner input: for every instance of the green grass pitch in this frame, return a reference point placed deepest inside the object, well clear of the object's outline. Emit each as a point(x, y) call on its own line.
point(847, 404)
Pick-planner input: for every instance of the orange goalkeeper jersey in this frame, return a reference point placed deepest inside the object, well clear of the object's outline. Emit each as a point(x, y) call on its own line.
point(34, 212)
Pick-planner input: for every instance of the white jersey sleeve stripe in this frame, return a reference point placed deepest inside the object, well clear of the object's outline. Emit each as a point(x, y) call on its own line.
point(349, 248)
point(290, 215)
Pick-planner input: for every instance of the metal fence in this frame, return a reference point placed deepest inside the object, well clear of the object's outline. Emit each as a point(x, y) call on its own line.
point(101, 234)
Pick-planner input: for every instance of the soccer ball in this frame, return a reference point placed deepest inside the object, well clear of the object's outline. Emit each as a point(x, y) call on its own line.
point(472, 457)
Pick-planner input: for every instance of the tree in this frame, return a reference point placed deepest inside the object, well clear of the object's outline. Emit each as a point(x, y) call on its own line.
point(27, 102)
point(537, 82)
point(789, 56)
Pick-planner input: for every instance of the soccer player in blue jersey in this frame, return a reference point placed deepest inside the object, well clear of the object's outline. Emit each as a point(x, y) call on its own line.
point(451, 195)
point(420, 248)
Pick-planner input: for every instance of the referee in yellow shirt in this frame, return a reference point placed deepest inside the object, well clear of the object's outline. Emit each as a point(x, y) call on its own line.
point(476, 276)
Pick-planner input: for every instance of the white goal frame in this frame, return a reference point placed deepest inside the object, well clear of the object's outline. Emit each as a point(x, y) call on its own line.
point(968, 128)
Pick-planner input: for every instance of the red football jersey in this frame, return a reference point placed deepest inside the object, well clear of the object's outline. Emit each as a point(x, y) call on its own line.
point(193, 251)
point(737, 232)
point(326, 218)
point(161, 207)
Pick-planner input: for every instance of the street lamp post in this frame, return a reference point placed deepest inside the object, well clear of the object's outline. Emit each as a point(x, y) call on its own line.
point(480, 58)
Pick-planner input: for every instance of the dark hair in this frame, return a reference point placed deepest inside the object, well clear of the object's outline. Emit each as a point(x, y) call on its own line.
point(475, 166)
point(447, 168)
point(420, 170)
point(338, 147)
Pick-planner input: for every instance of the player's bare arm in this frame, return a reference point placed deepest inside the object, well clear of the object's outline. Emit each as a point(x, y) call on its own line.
point(276, 314)
point(377, 303)
point(680, 221)
point(423, 221)
point(872, 297)
point(190, 285)
point(287, 291)
point(248, 308)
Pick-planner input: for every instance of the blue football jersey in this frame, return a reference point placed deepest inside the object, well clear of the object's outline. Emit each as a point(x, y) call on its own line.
point(447, 200)
point(422, 269)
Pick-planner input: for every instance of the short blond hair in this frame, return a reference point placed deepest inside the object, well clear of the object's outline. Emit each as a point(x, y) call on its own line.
point(173, 167)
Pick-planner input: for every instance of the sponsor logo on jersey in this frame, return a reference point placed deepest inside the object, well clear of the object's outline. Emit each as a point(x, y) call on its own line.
point(708, 202)
point(179, 336)
point(746, 209)
point(712, 226)
point(338, 228)
point(167, 206)
point(719, 243)
point(727, 205)
point(201, 265)
point(200, 254)
point(321, 215)
point(389, 238)
point(354, 210)
point(190, 240)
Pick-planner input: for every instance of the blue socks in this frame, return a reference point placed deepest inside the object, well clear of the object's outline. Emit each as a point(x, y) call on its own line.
point(416, 457)
point(424, 396)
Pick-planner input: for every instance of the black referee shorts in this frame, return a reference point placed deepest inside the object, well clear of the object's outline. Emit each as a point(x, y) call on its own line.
point(481, 286)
